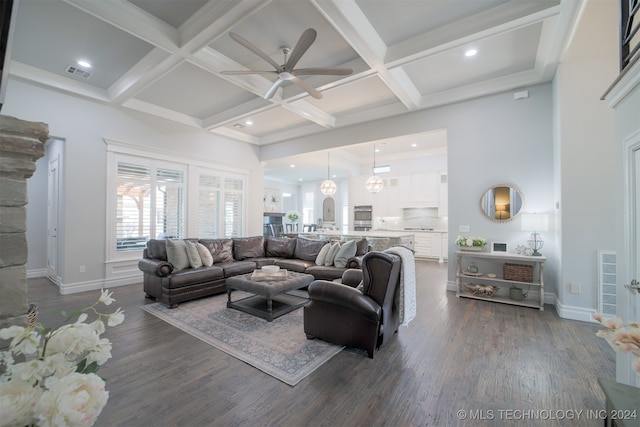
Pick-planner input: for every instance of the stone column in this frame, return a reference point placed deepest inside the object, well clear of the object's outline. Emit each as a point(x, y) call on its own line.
point(21, 144)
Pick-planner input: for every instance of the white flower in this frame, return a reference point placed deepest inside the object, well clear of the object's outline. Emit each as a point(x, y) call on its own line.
point(469, 242)
point(23, 341)
point(73, 400)
point(101, 353)
point(105, 297)
point(115, 318)
point(30, 371)
point(16, 401)
point(74, 339)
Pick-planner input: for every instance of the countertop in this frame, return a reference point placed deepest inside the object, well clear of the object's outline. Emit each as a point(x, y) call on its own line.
point(409, 231)
point(375, 233)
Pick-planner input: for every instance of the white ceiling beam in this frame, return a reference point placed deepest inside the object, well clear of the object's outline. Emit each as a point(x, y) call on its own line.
point(310, 112)
point(129, 18)
point(145, 107)
point(240, 136)
point(56, 81)
point(237, 113)
point(352, 24)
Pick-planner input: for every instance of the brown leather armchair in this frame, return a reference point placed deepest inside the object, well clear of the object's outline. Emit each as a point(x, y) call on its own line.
point(345, 315)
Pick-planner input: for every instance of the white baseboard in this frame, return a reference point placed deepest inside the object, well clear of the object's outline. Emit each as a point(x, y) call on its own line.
point(575, 313)
point(39, 272)
point(92, 285)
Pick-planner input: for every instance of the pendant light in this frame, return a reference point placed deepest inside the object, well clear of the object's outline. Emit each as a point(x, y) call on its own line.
point(374, 183)
point(328, 187)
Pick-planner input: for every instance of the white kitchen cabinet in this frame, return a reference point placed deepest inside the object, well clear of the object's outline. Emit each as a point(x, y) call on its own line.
point(443, 195)
point(419, 190)
point(429, 244)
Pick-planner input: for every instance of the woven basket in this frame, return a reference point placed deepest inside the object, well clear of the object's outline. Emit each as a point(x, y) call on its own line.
point(518, 272)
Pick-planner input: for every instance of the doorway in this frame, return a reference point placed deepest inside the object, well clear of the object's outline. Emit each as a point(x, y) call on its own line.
point(54, 154)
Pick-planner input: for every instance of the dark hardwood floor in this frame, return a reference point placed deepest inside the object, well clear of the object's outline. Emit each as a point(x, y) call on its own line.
point(500, 364)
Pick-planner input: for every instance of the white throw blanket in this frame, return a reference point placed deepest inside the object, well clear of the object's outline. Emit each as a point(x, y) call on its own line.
point(407, 283)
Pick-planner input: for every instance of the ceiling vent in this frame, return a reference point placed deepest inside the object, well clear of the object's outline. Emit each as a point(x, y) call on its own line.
point(78, 72)
point(238, 126)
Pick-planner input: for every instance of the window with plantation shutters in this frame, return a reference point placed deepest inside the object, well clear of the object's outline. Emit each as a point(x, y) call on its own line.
point(209, 195)
point(233, 207)
point(168, 197)
point(149, 203)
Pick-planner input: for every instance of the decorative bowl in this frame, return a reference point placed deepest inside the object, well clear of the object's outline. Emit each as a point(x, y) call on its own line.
point(270, 268)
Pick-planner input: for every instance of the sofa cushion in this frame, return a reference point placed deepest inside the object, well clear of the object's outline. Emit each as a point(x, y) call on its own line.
point(237, 267)
point(194, 276)
point(177, 254)
point(346, 251)
point(293, 264)
point(322, 255)
point(308, 249)
point(157, 249)
point(322, 272)
point(192, 254)
point(362, 247)
point(248, 247)
point(281, 247)
point(331, 255)
point(221, 249)
point(205, 255)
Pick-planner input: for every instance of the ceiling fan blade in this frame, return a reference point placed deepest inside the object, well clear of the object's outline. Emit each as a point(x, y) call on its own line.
point(306, 39)
point(234, 73)
point(323, 71)
point(310, 90)
point(246, 43)
point(274, 87)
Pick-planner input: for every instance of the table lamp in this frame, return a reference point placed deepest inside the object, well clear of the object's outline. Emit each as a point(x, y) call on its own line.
point(535, 223)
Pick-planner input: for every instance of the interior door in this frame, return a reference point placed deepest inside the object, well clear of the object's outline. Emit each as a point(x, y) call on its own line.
point(53, 195)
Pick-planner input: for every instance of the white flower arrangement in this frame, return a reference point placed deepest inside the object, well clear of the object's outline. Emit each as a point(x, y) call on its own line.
point(621, 338)
point(54, 382)
point(293, 216)
point(470, 241)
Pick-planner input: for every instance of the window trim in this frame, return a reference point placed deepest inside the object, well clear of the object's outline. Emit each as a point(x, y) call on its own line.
point(118, 150)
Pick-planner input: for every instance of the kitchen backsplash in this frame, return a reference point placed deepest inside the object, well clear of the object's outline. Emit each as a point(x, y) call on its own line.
point(418, 218)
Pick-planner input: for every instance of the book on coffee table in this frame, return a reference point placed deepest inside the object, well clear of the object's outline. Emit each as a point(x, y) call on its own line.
point(264, 276)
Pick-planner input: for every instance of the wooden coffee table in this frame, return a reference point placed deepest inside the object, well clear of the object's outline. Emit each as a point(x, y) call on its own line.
point(270, 298)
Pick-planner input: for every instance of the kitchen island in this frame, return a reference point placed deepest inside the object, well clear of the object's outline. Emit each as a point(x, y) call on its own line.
point(378, 240)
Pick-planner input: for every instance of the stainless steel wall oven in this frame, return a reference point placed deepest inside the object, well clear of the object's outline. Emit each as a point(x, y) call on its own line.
point(362, 217)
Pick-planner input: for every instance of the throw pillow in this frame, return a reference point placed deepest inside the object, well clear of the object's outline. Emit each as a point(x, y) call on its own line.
point(322, 255)
point(205, 255)
point(177, 254)
point(335, 247)
point(192, 254)
point(346, 251)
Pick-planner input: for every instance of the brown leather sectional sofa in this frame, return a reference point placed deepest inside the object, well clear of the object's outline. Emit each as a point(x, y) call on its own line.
point(233, 257)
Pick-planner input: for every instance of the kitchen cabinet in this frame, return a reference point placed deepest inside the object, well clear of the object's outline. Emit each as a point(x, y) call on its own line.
point(443, 195)
point(430, 244)
point(491, 262)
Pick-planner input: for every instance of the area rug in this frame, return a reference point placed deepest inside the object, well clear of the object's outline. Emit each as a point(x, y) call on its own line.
point(278, 348)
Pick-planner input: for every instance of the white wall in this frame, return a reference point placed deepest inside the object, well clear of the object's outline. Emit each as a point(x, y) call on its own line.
point(586, 156)
point(83, 125)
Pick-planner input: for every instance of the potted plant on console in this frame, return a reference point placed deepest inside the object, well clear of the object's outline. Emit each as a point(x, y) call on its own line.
point(471, 243)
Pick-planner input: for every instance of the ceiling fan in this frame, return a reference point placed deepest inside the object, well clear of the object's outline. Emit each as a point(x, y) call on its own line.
point(287, 72)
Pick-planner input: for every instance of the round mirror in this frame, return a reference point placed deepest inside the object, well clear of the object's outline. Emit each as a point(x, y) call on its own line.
point(502, 203)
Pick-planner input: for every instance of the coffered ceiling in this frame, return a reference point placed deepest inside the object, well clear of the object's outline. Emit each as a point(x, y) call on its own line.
point(166, 57)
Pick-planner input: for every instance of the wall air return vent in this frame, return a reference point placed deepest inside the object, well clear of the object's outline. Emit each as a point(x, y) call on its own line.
point(78, 72)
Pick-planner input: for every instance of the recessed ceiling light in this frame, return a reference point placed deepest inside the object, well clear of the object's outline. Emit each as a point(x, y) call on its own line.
point(84, 63)
point(470, 52)
point(414, 145)
point(248, 122)
point(299, 179)
point(377, 150)
point(292, 166)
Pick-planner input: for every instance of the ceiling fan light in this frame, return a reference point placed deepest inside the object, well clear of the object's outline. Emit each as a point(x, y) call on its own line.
point(374, 184)
point(328, 187)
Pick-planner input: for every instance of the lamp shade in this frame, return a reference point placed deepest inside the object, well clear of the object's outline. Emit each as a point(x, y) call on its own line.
point(328, 187)
point(374, 184)
point(535, 222)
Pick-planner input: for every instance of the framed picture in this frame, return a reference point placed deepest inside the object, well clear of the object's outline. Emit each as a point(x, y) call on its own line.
point(272, 200)
point(498, 247)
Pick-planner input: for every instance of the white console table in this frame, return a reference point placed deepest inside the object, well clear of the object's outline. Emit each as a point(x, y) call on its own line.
point(492, 262)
